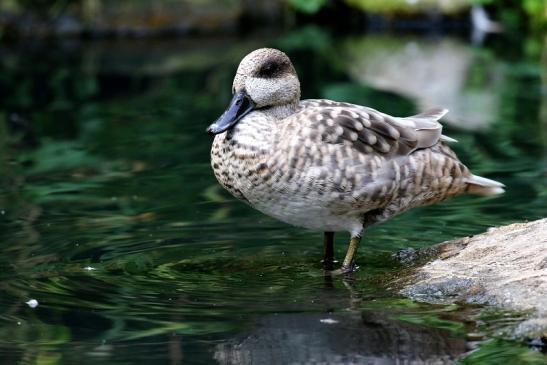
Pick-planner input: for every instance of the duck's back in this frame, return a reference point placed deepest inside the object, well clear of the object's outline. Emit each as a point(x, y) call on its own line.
point(352, 160)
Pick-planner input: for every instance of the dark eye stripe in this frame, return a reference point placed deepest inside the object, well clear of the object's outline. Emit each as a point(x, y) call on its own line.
point(270, 69)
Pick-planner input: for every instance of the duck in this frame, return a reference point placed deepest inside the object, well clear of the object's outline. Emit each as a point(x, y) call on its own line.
point(330, 166)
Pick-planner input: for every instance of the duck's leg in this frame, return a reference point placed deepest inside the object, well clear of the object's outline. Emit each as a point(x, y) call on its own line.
point(349, 261)
point(328, 251)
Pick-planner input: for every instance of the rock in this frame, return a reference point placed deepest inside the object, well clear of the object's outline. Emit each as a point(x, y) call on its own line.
point(505, 267)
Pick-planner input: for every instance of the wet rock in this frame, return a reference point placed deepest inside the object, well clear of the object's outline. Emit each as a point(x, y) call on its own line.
point(504, 267)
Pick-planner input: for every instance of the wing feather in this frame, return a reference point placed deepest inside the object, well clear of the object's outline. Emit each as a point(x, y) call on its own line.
point(368, 130)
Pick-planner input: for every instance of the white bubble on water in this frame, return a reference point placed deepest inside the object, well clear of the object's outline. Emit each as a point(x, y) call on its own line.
point(33, 303)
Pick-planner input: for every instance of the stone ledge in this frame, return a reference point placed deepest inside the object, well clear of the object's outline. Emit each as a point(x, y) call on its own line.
point(504, 267)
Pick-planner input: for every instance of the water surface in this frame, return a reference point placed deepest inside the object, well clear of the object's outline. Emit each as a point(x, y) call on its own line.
point(111, 218)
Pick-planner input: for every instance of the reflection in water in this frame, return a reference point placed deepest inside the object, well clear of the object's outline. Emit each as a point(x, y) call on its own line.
point(104, 164)
point(372, 338)
point(445, 73)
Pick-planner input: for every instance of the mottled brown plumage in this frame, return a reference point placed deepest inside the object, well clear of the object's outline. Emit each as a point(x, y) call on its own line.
point(328, 165)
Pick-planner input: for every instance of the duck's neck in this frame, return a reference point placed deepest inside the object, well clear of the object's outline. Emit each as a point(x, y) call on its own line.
point(259, 128)
point(281, 111)
point(252, 135)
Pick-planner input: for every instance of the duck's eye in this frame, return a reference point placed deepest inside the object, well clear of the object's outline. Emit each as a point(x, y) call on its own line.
point(270, 69)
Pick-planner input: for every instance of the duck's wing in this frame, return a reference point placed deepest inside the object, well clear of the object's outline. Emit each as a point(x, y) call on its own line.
point(367, 130)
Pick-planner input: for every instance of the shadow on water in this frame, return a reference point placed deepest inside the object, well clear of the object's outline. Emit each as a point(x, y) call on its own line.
point(111, 218)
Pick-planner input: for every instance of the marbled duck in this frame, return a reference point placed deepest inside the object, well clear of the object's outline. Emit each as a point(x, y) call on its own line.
point(327, 165)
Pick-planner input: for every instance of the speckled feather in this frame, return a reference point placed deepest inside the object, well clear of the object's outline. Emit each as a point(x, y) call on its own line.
point(334, 166)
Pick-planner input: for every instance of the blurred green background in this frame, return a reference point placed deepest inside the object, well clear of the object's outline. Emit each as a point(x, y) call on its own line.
point(111, 218)
point(144, 17)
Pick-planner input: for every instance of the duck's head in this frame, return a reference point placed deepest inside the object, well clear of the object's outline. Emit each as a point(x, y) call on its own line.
point(264, 79)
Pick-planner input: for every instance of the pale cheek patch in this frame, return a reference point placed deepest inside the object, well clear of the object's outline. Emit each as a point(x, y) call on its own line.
point(267, 91)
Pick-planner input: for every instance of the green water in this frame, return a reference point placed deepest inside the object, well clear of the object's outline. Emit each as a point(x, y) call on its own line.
point(111, 218)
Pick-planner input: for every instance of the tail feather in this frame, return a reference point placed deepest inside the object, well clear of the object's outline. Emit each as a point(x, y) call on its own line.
point(435, 114)
point(482, 186)
point(428, 127)
point(448, 139)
